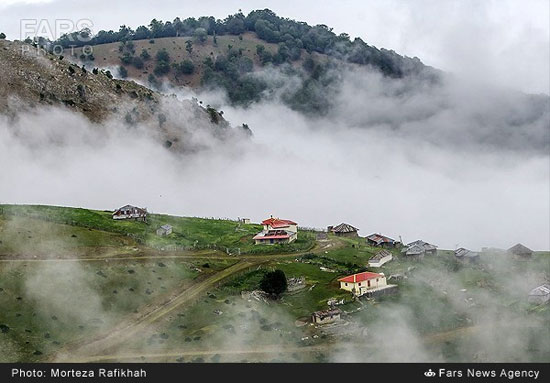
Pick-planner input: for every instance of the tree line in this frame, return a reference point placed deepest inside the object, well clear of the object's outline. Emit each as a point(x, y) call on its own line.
point(291, 36)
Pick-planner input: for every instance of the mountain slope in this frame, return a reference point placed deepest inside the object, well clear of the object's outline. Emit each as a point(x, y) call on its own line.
point(39, 79)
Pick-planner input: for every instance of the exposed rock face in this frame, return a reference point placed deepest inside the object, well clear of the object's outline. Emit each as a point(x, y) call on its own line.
point(33, 78)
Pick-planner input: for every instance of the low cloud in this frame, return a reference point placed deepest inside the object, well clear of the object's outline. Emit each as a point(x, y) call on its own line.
point(445, 163)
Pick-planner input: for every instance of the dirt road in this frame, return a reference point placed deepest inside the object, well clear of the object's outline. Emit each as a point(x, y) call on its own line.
point(128, 328)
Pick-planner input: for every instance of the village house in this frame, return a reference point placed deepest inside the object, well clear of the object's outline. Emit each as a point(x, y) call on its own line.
point(466, 255)
point(131, 212)
point(381, 240)
point(164, 230)
point(277, 231)
point(419, 248)
point(343, 230)
point(380, 258)
point(326, 316)
point(246, 221)
point(365, 283)
point(540, 295)
point(520, 251)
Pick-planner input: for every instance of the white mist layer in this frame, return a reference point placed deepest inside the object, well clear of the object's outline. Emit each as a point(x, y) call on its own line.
point(315, 175)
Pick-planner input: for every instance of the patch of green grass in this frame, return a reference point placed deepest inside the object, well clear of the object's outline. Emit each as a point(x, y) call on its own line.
point(46, 305)
point(35, 237)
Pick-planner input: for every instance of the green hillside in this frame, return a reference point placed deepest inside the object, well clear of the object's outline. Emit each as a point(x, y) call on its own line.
point(67, 228)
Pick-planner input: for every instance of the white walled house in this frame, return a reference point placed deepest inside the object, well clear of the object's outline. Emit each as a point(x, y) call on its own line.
point(365, 283)
point(277, 231)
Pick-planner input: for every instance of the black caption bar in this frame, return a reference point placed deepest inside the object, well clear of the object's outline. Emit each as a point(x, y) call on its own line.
point(179, 372)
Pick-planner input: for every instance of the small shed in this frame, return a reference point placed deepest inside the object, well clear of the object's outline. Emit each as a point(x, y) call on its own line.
point(520, 250)
point(246, 221)
point(164, 230)
point(343, 230)
point(540, 295)
point(326, 316)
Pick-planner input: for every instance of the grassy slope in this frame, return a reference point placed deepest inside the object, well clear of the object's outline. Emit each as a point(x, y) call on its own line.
point(188, 232)
point(39, 322)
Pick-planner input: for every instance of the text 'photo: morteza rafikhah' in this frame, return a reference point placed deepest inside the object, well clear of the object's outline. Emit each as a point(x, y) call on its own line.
point(228, 186)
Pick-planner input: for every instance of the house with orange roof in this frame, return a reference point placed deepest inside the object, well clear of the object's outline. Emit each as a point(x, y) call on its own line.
point(277, 230)
point(365, 283)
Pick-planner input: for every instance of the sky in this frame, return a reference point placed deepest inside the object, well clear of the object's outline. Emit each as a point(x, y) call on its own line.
point(486, 40)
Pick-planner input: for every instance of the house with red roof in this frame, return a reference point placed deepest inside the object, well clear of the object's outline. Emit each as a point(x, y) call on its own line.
point(277, 230)
point(366, 283)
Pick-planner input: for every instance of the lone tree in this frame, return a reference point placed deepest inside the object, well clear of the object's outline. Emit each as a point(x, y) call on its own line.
point(2, 36)
point(144, 55)
point(200, 35)
point(189, 46)
point(274, 282)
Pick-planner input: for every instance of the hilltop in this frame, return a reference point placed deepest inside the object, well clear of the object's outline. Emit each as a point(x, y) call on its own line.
point(233, 53)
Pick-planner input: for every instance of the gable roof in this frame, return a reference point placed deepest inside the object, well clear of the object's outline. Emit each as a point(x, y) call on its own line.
point(379, 238)
point(414, 249)
point(344, 228)
point(133, 208)
point(381, 254)
point(277, 223)
point(360, 277)
point(166, 227)
point(519, 249)
point(425, 245)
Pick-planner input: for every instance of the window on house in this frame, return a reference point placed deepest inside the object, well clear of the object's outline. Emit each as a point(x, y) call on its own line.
point(346, 284)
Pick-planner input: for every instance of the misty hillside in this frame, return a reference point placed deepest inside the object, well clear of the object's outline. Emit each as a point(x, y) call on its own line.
point(36, 79)
point(262, 57)
point(207, 53)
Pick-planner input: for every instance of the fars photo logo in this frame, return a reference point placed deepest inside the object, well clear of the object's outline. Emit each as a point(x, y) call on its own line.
point(44, 33)
point(429, 373)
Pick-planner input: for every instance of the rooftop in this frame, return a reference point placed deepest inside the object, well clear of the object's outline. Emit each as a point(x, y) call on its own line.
point(344, 228)
point(379, 238)
point(277, 223)
point(360, 277)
